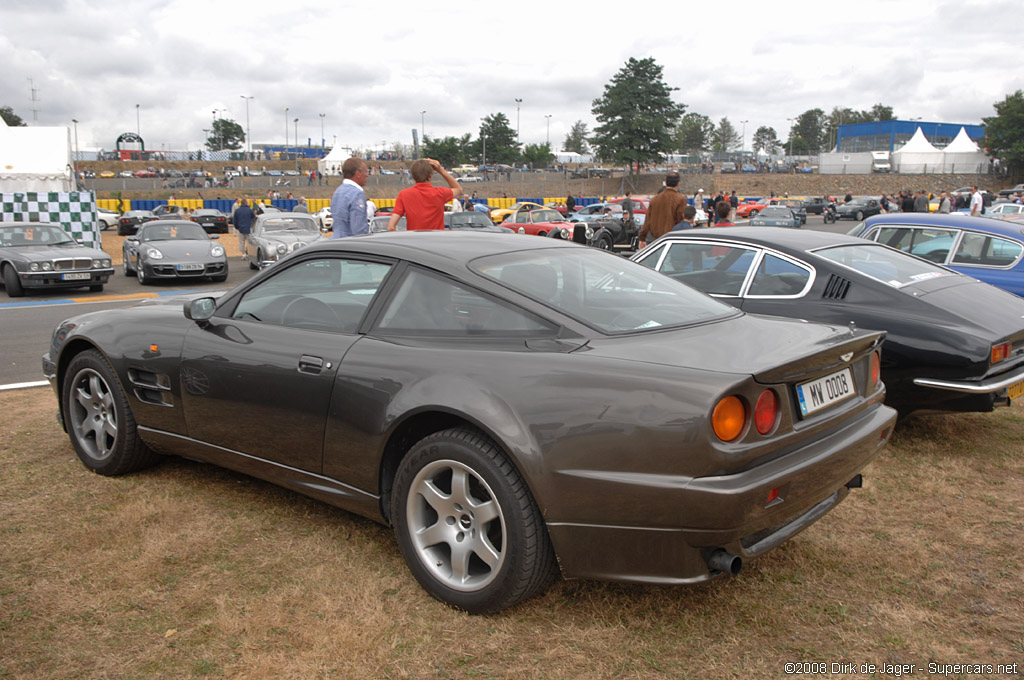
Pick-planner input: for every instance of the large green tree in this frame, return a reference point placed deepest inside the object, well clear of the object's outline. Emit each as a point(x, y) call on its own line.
point(448, 151)
point(501, 139)
point(10, 117)
point(538, 155)
point(576, 140)
point(695, 133)
point(726, 138)
point(1004, 133)
point(226, 134)
point(636, 114)
point(766, 138)
point(807, 134)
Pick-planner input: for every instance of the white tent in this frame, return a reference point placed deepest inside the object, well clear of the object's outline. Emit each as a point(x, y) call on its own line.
point(963, 155)
point(331, 163)
point(917, 156)
point(35, 159)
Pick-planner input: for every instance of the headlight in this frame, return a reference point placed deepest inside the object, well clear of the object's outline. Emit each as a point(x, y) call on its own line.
point(282, 248)
point(565, 232)
point(216, 251)
point(47, 266)
point(154, 254)
point(34, 267)
point(297, 245)
point(590, 233)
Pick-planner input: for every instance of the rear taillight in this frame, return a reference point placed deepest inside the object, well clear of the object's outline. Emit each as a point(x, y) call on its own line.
point(766, 412)
point(876, 369)
point(728, 418)
point(1001, 351)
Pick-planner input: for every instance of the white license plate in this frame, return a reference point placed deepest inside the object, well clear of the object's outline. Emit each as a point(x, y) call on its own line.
point(817, 394)
point(75, 277)
point(191, 267)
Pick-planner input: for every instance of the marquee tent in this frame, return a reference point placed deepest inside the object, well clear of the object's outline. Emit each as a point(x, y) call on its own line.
point(331, 163)
point(963, 155)
point(917, 156)
point(35, 159)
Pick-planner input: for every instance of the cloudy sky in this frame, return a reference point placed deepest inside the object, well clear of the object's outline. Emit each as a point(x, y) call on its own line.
point(371, 68)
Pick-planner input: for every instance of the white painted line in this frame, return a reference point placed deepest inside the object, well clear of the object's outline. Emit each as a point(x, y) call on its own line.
point(20, 386)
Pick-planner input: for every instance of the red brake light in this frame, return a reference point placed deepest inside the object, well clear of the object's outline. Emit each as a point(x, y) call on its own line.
point(766, 411)
point(876, 368)
point(1001, 351)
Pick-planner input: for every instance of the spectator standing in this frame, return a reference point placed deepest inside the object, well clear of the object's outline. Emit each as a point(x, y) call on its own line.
point(735, 203)
point(371, 210)
point(301, 206)
point(423, 204)
point(921, 202)
point(944, 204)
point(570, 203)
point(243, 219)
point(977, 204)
point(722, 210)
point(627, 206)
point(348, 204)
point(664, 211)
point(907, 202)
point(689, 212)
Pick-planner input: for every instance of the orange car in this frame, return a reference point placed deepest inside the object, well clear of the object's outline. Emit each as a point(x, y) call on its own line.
point(751, 209)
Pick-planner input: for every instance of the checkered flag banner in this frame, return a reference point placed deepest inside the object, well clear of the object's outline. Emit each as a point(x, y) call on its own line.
point(73, 210)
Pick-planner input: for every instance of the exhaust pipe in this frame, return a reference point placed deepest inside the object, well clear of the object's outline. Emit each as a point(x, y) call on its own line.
point(726, 562)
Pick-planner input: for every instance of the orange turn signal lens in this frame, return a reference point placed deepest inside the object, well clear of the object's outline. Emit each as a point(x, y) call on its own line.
point(728, 418)
point(1001, 351)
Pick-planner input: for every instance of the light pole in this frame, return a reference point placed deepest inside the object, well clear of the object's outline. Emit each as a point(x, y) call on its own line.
point(76, 149)
point(296, 143)
point(790, 138)
point(483, 138)
point(286, 129)
point(248, 133)
point(423, 129)
point(743, 141)
point(548, 116)
point(221, 137)
point(323, 140)
point(138, 126)
point(518, 102)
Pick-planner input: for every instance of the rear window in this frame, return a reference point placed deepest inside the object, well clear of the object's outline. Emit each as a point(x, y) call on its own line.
point(888, 266)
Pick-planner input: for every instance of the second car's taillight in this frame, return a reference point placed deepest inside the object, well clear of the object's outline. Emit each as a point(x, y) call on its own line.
point(876, 369)
point(766, 412)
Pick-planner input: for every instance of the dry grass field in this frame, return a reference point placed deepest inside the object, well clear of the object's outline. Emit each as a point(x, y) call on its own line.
point(189, 571)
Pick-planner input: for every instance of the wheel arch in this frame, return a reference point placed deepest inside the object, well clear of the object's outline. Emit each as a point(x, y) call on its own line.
point(423, 424)
point(71, 349)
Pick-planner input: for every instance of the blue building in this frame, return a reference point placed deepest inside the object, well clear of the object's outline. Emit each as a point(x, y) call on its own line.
point(889, 135)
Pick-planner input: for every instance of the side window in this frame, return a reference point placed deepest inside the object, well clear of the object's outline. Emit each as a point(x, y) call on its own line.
point(330, 294)
point(429, 304)
point(776, 276)
point(931, 244)
point(990, 251)
point(708, 267)
point(650, 258)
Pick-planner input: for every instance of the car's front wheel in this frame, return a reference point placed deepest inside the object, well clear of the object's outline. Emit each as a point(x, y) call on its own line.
point(466, 524)
point(753, 214)
point(12, 283)
point(99, 420)
point(140, 273)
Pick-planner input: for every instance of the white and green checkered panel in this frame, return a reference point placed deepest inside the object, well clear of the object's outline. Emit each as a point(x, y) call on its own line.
point(73, 210)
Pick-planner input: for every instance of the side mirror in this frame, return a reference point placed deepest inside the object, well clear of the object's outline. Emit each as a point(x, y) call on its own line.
point(214, 236)
point(200, 309)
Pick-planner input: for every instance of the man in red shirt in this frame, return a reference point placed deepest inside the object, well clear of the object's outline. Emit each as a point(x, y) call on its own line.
point(423, 204)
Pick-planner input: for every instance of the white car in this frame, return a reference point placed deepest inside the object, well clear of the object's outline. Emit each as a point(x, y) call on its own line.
point(325, 218)
point(106, 219)
point(470, 178)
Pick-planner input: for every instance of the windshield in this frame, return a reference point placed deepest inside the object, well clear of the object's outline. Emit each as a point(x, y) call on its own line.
point(172, 232)
point(884, 264)
point(604, 292)
point(777, 212)
point(34, 235)
point(290, 224)
point(465, 219)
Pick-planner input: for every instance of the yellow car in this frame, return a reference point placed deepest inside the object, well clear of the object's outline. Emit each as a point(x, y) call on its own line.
point(499, 215)
point(107, 174)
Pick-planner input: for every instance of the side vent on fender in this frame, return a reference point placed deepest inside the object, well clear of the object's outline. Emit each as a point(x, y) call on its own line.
point(836, 288)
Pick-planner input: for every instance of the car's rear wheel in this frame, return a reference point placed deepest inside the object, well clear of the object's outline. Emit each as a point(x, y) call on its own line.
point(99, 420)
point(255, 265)
point(860, 215)
point(466, 524)
point(96, 288)
point(12, 283)
point(753, 213)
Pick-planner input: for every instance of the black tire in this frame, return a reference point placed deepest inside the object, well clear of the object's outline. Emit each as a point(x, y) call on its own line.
point(98, 419)
point(140, 274)
point(221, 278)
point(12, 283)
point(753, 213)
point(255, 265)
point(506, 555)
point(604, 243)
point(860, 215)
point(125, 267)
point(96, 288)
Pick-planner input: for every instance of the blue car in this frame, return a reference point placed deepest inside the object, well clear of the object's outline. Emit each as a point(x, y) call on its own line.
point(990, 250)
point(775, 216)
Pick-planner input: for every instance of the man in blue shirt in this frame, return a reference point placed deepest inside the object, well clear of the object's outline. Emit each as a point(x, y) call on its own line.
point(348, 205)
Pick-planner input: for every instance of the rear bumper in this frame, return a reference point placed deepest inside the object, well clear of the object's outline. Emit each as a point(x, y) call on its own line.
point(731, 512)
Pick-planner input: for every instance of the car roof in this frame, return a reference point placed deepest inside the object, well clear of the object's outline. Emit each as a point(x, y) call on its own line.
point(950, 220)
point(769, 237)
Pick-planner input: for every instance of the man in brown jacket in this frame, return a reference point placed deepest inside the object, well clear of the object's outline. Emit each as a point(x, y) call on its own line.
point(664, 211)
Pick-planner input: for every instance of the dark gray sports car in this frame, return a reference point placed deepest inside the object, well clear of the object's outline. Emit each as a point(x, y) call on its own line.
point(511, 406)
point(35, 255)
point(775, 216)
point(953, 343)
point(173, 249)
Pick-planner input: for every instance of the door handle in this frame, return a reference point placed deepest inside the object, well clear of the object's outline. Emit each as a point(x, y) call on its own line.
point(310, 364)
